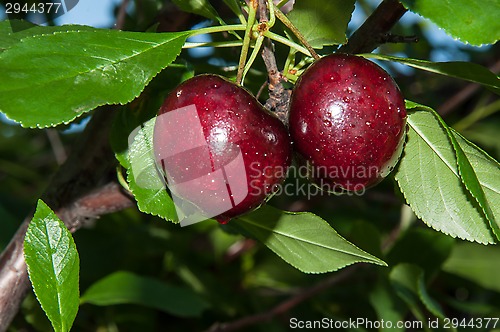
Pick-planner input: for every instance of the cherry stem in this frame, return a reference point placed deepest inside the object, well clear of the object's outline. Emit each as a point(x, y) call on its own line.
point(272, 15)
point(252, 13)
point(253, 55)
point(240, 27)
point(218, 28)
point(289, 63)
point(287, 42)
point(282, 17)
point(121, 179)
point(478, 114)
point(261, 28)
point(232, 43)
point(249, 29)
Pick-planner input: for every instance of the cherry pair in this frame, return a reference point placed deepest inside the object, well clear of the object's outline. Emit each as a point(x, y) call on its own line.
point(346, 124)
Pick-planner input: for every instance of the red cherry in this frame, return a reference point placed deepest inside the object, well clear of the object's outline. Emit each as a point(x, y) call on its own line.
point(347, 121)
point(222, 153)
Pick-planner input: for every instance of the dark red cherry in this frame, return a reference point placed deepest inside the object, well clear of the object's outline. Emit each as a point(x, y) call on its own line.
point(221, 152)
point(347, 121)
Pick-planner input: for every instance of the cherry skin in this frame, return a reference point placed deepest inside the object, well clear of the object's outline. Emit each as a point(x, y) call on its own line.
point(219, 148)
point(347, 122)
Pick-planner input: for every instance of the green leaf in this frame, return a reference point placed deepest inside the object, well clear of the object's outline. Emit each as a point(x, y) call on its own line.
point(474, 22)
point(143, 177)
point(468, 173)
point(127, 121)
point(303, 240)
point(432, 305)
point(125, 287)
point(403, 278)
point(490, 175)
point(476, 263)
point(124, 123)
point(387, 306)
point(468, 71)
point(481, 175)
point(53, 267)
point(429, 178)
point(198, 7)
point(9, 37)
point(409, 283)
point(52, 79)
point(322, 22)
point(489, 168)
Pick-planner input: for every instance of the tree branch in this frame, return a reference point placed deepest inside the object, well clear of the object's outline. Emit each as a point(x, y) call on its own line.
point(371, 33)
point(464, 94)
point(286, 305)
point(279, 97)
point(122, 15)
point(82, 189)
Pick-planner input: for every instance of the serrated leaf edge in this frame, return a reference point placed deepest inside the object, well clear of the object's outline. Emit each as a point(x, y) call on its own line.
point(28, 267)
point(446, 30)
point(375, 259)
point(130, 174)
point(417, 211)
point(122, 102)
point(484, 207)
point(486, 211)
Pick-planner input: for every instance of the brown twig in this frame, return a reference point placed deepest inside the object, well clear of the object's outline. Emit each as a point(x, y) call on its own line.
point(82, 189)
point(279, 97)
point(172, 18)
point(464, 94)
point(390, 38)
point(368, 36)
point(261, 89)
point(121, 16)
point(262, 11)
point(238, 249)
point(286, 305)
point(57, 146)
